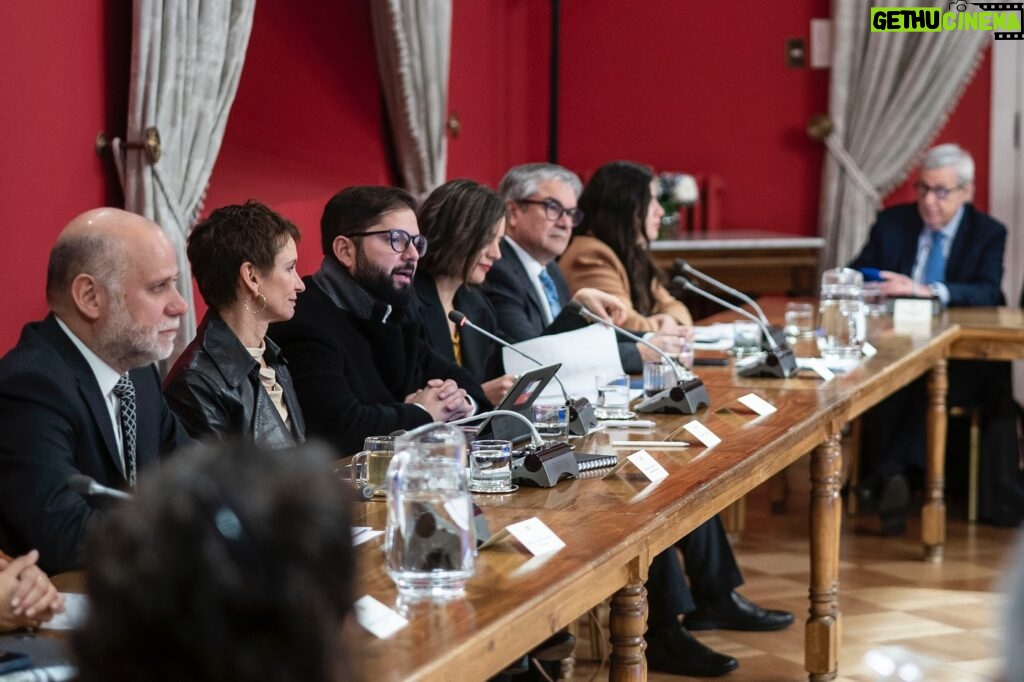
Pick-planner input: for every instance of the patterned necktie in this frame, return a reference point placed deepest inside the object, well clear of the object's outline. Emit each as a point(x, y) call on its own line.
point(935, 266)
point(550, 292)
point(125, 390)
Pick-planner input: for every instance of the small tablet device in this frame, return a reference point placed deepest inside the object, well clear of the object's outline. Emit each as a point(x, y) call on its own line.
point(520, 398)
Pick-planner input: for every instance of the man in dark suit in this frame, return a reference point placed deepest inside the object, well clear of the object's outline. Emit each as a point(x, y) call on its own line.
point(361, 366)
point(541, 202)
point(941, 247)
point(79, 394)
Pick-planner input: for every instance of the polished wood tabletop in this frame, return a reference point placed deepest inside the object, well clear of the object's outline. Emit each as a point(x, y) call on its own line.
point(613, 527)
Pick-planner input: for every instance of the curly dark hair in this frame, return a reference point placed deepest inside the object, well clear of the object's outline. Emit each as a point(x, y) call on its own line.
point(614, 204)
point(229, 564)
point(232, 235)
point(459, 218)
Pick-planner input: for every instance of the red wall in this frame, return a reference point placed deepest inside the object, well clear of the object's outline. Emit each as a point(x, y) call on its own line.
point(63, 65)
point(308, 117)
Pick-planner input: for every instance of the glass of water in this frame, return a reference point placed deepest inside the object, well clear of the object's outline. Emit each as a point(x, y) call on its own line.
point(746, 338)
point(612, 397)
point(551, 421)
point(799, 322)
point(490, 466)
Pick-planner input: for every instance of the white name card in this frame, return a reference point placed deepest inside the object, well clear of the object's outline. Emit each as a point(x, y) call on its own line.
point(532, 534)
point(378, 619)
point(818, 366)
point(912, 316)
point(702, 433)
point(757, 404)
point(648, 466)
point(868, 350)
point(361, 534)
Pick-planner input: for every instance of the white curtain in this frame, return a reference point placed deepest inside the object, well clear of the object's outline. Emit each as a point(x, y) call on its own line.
point(413, 44)
point(186, 61)
point(890, 94)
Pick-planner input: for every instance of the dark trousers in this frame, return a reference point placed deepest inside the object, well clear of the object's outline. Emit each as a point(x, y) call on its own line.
point(893, 435)
point(710, 566)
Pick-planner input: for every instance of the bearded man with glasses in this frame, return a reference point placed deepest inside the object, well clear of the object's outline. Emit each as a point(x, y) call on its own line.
point(360, 366)
point(940, 247)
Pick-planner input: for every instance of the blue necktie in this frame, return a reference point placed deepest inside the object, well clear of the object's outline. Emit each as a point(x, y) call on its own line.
point(550, 292)
point(935, 266)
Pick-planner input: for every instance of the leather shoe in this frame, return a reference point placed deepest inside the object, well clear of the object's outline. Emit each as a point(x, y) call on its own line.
point(733, 611)
point(677, 652)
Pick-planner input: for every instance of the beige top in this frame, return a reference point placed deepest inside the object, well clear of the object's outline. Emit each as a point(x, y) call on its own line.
point(268, 377)
point(589, 262)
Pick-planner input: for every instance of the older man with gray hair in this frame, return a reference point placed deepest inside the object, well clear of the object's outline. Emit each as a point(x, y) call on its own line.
point(79, 394)
point(944, 248)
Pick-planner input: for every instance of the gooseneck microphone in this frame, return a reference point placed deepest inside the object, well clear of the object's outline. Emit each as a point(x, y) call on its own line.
point(775, 333)
point(581, 412)
point(86, 485)
point(777, 361)
point(686, 397)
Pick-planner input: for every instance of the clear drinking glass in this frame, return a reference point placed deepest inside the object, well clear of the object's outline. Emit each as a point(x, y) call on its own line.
point(799, 322)
point(746, 338)
point(612, 397)
point(551, 421)
point(658, 375)
point(490, 466)
point(841, 314)
point(430, 544)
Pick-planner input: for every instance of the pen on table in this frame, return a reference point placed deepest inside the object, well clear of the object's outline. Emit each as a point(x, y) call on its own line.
point(629, 423)
point(711, 362)
point(653, 444)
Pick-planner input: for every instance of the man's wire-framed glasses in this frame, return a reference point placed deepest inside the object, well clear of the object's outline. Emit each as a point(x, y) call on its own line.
point(553, 209)
point(399, 240)
point(940, 192)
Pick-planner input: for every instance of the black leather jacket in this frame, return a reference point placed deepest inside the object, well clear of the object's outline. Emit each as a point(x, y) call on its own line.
point(214, 388)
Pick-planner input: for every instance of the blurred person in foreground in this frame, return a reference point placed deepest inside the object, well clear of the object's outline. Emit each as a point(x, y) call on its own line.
point(231, 564)
point(232, 378)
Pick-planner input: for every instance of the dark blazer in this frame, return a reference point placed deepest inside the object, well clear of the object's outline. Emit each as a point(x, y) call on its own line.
point(214, 388)
point(352, 373)
point(55, 424)
point(519, 310)
point(481, 356)
point(974, 269)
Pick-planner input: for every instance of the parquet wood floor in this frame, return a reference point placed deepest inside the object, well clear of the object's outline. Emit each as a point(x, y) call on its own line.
point(942, 617)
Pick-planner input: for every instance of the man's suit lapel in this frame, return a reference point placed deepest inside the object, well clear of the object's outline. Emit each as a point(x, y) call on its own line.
point(522, 276)
point(86, 383)
point(961, 245)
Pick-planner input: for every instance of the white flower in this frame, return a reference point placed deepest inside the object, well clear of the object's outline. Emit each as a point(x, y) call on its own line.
point(685, 190)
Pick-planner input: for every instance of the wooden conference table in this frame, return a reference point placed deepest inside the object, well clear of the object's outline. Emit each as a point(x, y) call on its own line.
point(613, 527)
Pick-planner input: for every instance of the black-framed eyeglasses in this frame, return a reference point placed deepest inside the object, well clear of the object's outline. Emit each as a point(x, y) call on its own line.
point(553, 210)
point(399, 239)
point(939, 192)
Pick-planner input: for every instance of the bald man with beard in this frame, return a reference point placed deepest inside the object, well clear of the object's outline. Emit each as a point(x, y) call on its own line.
point(79, 393)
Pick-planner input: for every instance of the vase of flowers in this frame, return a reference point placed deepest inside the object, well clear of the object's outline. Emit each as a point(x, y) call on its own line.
point(675, 190)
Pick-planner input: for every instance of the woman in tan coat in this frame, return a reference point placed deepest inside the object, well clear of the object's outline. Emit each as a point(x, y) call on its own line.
point(609, 250)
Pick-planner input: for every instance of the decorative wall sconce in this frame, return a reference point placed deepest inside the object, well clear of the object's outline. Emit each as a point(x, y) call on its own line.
point(150, 143)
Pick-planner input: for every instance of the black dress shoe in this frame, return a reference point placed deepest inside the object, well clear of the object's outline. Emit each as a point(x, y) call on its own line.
point(733, 611)
point(892, 506)
point(675, 651)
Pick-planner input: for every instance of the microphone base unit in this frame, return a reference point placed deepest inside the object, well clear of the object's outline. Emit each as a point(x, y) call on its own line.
point(778, 335)
point(545, 466)
point(686, 397)
point(581, 417)
point(779, 364)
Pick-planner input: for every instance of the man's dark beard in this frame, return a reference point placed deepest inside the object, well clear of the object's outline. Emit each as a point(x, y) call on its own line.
point(379, 284)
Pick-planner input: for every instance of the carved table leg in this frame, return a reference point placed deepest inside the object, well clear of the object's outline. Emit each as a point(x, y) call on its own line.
point(823, 626)
point(627, 622)
point(933, 514)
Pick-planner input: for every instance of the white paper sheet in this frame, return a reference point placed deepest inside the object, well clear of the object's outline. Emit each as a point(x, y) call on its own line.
point(584, 353)
point(76, 607)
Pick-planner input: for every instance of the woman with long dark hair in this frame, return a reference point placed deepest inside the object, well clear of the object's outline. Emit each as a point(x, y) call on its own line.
point(464, 222)
point(610, 248)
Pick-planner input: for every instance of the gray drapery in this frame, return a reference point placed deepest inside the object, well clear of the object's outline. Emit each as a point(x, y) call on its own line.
point(413, 45)
point(186, 62)
point(889, 96)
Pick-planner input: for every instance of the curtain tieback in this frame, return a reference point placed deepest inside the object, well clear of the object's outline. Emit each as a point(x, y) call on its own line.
point(851, 168)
